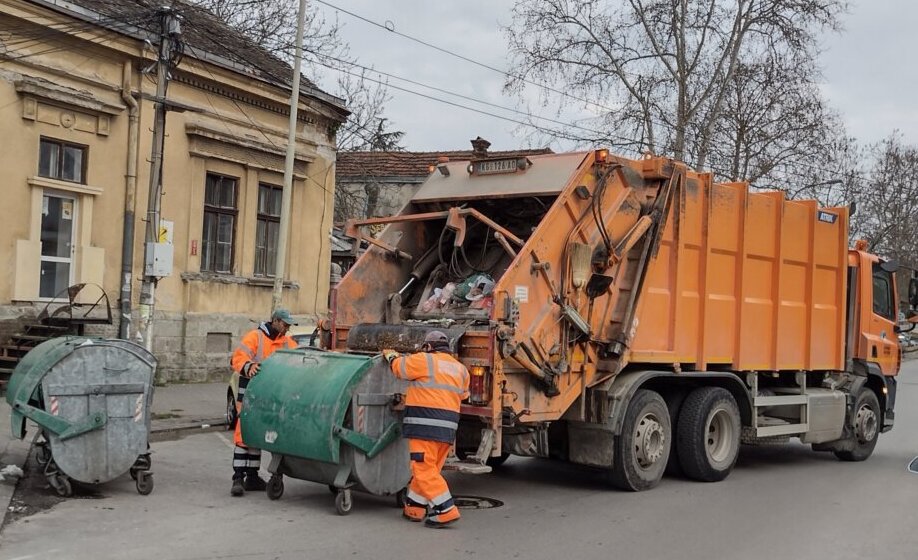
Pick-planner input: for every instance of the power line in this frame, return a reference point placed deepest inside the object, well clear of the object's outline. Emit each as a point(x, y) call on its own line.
point(467, 59)
point(468, 98)
point(390, 28)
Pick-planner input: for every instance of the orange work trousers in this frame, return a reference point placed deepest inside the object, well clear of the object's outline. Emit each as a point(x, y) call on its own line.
point(428, 492)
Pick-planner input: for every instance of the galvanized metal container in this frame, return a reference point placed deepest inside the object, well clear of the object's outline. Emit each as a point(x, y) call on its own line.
point(328, 418)
point(91, 398)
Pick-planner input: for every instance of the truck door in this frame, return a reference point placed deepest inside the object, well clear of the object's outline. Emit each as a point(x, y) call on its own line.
point(882, 342)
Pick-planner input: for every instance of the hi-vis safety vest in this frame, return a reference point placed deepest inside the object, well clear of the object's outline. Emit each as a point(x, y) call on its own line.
point(255, 347)
point(437, 384)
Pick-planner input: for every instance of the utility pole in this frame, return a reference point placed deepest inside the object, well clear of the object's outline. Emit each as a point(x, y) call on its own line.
point(170, 31)
point(281, 264)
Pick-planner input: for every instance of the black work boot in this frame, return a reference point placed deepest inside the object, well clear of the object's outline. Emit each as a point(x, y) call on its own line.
point(238, 488)
point(254, 483)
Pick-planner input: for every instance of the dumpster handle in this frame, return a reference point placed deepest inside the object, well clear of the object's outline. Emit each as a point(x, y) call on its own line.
point(367, 444)
point(63, 429)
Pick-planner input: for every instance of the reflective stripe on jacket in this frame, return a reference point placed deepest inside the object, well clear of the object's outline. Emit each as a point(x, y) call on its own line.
point(256, 346)
point(437, 383)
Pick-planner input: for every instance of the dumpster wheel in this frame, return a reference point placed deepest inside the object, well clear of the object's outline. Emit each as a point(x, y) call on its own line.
point(343, 502)
point(275, 487)
point(401, 498)
point(144, 483)
point(61, 485)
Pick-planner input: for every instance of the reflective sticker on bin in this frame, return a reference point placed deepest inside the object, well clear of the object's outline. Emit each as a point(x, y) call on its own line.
point(361, 418)
point(270, 436)
point(138, 408)
point(55, 406)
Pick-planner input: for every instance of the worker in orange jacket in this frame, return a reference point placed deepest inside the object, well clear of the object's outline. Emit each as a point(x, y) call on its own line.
point(255, 346)
point(438, 383)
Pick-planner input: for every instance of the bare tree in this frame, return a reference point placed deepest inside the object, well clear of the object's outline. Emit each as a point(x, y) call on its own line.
point(887, 209)
point(664, 70)
point(775, 124)
point(272, 25)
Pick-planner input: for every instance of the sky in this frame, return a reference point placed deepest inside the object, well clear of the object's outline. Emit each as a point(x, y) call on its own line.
point(869, 75)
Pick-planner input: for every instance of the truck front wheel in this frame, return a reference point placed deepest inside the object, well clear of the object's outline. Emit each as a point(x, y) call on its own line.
point(642, 449)
point(866, 427)
point(708, 435)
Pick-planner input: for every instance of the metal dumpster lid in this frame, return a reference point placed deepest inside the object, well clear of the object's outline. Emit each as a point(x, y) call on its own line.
point(29, 372)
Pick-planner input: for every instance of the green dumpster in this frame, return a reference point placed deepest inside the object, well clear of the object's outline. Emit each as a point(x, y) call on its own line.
point(91, 399)
point(327, 417)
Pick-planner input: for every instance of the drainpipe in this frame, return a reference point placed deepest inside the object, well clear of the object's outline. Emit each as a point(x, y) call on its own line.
point(130, 195)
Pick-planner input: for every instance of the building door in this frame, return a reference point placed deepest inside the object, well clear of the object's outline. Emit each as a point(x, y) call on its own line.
point(58, 215)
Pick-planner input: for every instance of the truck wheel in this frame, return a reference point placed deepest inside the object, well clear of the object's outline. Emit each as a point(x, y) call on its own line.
point(674, 404)
point(642, 449)
point(866, 427)
point(708, 434)
point(497, 461)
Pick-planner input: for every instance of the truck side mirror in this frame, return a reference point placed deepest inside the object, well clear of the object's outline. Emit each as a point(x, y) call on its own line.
point(913, 291)
point(891, 266)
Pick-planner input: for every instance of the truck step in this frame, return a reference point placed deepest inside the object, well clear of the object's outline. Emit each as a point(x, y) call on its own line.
point(466, 467)
point(767, 426)
point(749, 437)
point(779, 400)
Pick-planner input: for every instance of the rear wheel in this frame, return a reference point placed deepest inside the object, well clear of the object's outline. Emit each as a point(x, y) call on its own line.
point(708, 434)
point(674, 404)
point(642, 449)
point(866, 427)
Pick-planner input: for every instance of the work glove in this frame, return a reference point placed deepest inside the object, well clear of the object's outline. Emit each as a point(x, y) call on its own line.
point(389, 354)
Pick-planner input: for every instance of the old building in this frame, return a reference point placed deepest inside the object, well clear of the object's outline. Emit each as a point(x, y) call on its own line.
point(77, 97)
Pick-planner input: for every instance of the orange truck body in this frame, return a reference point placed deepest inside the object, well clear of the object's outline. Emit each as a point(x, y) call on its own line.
point(615, 278)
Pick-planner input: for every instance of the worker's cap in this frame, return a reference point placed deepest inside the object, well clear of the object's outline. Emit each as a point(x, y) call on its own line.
point(283, 315)
point(435, 336)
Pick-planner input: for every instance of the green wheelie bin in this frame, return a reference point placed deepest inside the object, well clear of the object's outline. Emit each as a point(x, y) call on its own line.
point(328, 417)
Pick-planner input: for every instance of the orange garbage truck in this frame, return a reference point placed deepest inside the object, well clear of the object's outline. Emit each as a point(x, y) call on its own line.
point(631, 315)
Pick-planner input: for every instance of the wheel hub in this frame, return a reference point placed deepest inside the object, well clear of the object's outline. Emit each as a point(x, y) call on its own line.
point(866, 424)
point(719, 435)
point(649, 440)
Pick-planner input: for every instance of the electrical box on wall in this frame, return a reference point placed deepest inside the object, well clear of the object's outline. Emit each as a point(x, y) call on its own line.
point(159, 260)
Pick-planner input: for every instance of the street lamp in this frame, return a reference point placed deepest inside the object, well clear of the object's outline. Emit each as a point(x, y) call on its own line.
point(821, 184)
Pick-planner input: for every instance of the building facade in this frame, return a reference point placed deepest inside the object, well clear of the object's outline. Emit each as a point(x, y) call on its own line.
point(77, 98)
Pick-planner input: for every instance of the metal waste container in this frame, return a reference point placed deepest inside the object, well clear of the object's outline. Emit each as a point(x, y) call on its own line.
point(327, 417)
point(91, 398)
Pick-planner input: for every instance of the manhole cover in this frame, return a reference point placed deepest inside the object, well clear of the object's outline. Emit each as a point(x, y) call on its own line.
point(476, 502)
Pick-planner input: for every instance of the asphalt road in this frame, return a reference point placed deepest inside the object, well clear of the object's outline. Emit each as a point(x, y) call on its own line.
point(781, 502)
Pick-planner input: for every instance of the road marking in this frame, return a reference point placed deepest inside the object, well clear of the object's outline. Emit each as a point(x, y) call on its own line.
point(226, 440)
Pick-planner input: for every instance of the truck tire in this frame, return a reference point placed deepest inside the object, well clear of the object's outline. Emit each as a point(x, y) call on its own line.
point(674, 402)
point(642, 449)
point(866, 427)
point(708, 434)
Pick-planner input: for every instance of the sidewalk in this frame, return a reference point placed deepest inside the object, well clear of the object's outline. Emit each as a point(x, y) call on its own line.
point(176, 408)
